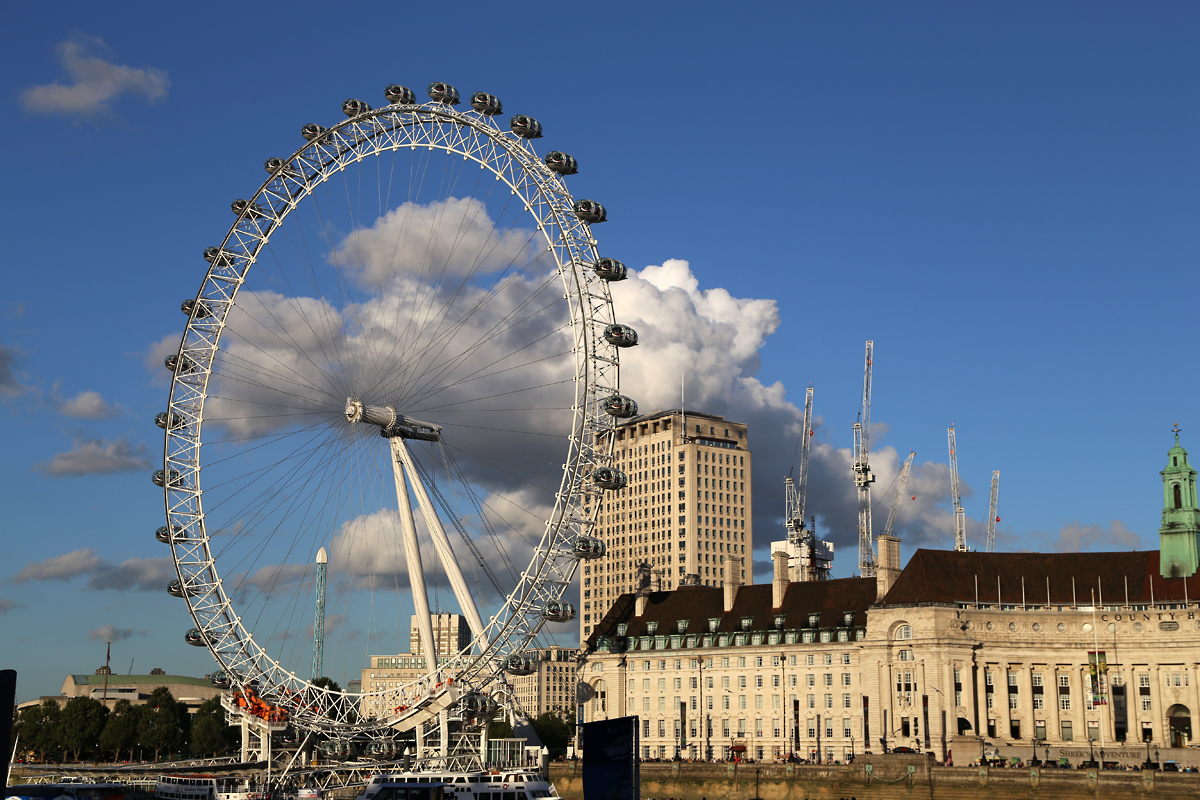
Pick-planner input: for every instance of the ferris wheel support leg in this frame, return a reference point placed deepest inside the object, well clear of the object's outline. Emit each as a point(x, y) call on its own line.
point(441, 543)
point(412, 555)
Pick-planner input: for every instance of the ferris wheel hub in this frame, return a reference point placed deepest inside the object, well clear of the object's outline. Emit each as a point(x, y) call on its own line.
point(391, 423)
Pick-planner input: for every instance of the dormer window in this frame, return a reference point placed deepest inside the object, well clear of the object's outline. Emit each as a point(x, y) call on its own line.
point(713, 624)
point(814, 620)
point(848, 619)
point(622, 628)
point(651, 628)
point(746, 623)
point(681, 626)
point(779, 618)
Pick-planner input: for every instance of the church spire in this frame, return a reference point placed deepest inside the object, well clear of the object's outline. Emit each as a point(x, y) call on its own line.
point(1179, 553)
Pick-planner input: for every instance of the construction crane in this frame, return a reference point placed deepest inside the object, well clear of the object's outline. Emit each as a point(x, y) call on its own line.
point(992, 518)
point(809, 557)
point(795, 492)
point(863, 477)
point(901, 482)
point(960, 516)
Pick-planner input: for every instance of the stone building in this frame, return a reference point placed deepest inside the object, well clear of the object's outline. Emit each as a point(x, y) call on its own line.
point(552, 687)
point(957, 653)
point(451, 635)
point(685, 508)
point(134, 688)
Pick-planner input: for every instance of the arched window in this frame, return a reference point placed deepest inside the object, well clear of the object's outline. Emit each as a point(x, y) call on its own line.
point(1178, 496)
point(904, 632)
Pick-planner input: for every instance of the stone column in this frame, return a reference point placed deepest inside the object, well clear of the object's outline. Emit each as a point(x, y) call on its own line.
point(1157, 712)
point(1191, 675)
point(981, 695)
point(1050, 696)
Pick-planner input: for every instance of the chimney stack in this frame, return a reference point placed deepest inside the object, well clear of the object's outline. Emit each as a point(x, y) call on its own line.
point(779, 582)
point(889, 566)
point(733, 579)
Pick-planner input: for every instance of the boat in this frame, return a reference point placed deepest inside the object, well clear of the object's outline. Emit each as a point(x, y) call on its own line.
point(72, 789)
point(511, 784)
point(207, 787)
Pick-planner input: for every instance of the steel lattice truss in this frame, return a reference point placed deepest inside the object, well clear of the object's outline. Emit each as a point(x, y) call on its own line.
point(568, 240)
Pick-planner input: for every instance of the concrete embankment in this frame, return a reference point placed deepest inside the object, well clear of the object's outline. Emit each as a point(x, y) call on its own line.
point(889, 777)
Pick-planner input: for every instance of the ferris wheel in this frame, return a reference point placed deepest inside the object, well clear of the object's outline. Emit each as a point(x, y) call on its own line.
point(404, 357)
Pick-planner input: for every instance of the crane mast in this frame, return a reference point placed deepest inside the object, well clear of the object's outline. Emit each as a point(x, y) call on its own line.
point(901, 482)
point(992, 518)
point(794, 513)
point(863, 477)
point(960, 516)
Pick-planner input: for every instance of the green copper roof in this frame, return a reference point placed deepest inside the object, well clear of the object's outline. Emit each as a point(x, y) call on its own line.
point(1179, 535)
point(140, 680)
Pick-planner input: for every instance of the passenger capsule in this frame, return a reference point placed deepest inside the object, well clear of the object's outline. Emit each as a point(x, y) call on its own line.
point(609, 269)
point(400, 95)
point(352, 107)
point(517, 664)
point(590, 211)
point(200, 308)
point(176, 589)
point(247, 209)
point(160, 478)
point(588, 547)
point(609, 478)
point(619, 406)
point(220, 679)
point(525, 127)
point(486, 103)
point(163, 534)
point(477, 704)
point(196, 638)
point(165, 419)
point(179, 364)
point(218, 257)
point(278, 165)
point(558, 611)
point(620, 335)
point(313, 131)
point(561, 163)
point(443, 93)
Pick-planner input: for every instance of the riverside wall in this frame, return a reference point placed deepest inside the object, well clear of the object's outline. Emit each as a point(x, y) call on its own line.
point(887, 777)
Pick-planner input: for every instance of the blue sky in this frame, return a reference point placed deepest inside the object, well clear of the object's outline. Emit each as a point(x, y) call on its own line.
point(1003, 197)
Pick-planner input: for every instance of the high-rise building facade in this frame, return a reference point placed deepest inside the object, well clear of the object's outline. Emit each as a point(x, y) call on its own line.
point(450, 633)
point(686, 507)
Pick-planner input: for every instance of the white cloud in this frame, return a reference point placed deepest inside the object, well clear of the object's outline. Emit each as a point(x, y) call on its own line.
point(88, 405)
point(456, 236)
point(96, 457)
point(7, 604)
point(137, 574)
point(93, 83)
point(111, 633)
point(1076, 537)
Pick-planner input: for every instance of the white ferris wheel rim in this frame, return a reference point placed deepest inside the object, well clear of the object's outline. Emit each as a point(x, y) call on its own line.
point(511, 159)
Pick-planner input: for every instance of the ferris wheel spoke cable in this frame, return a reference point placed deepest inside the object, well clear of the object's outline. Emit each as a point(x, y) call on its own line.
point(504, 325)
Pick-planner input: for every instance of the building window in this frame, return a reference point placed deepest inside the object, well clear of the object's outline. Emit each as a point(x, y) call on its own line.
point(906, 655)
point(1146, 704)
point(904, 632)
point(1064, 702)
point(1068, 731)
point(1064, 681)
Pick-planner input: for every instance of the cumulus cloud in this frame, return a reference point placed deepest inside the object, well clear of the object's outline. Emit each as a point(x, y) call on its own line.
point(7, 604)
point(92, 82)
point(456, 236)
point(96, 457)
point(1076, 537)
point(137, 574)
point(111, 633)
point(87, 405)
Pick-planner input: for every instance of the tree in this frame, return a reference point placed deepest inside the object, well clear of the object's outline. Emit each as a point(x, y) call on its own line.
point(121, 729)
point(210, 733)
point(499, 729)
point(41, 731)
point(555, 731)
point(164, 722)
point(81, 724)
